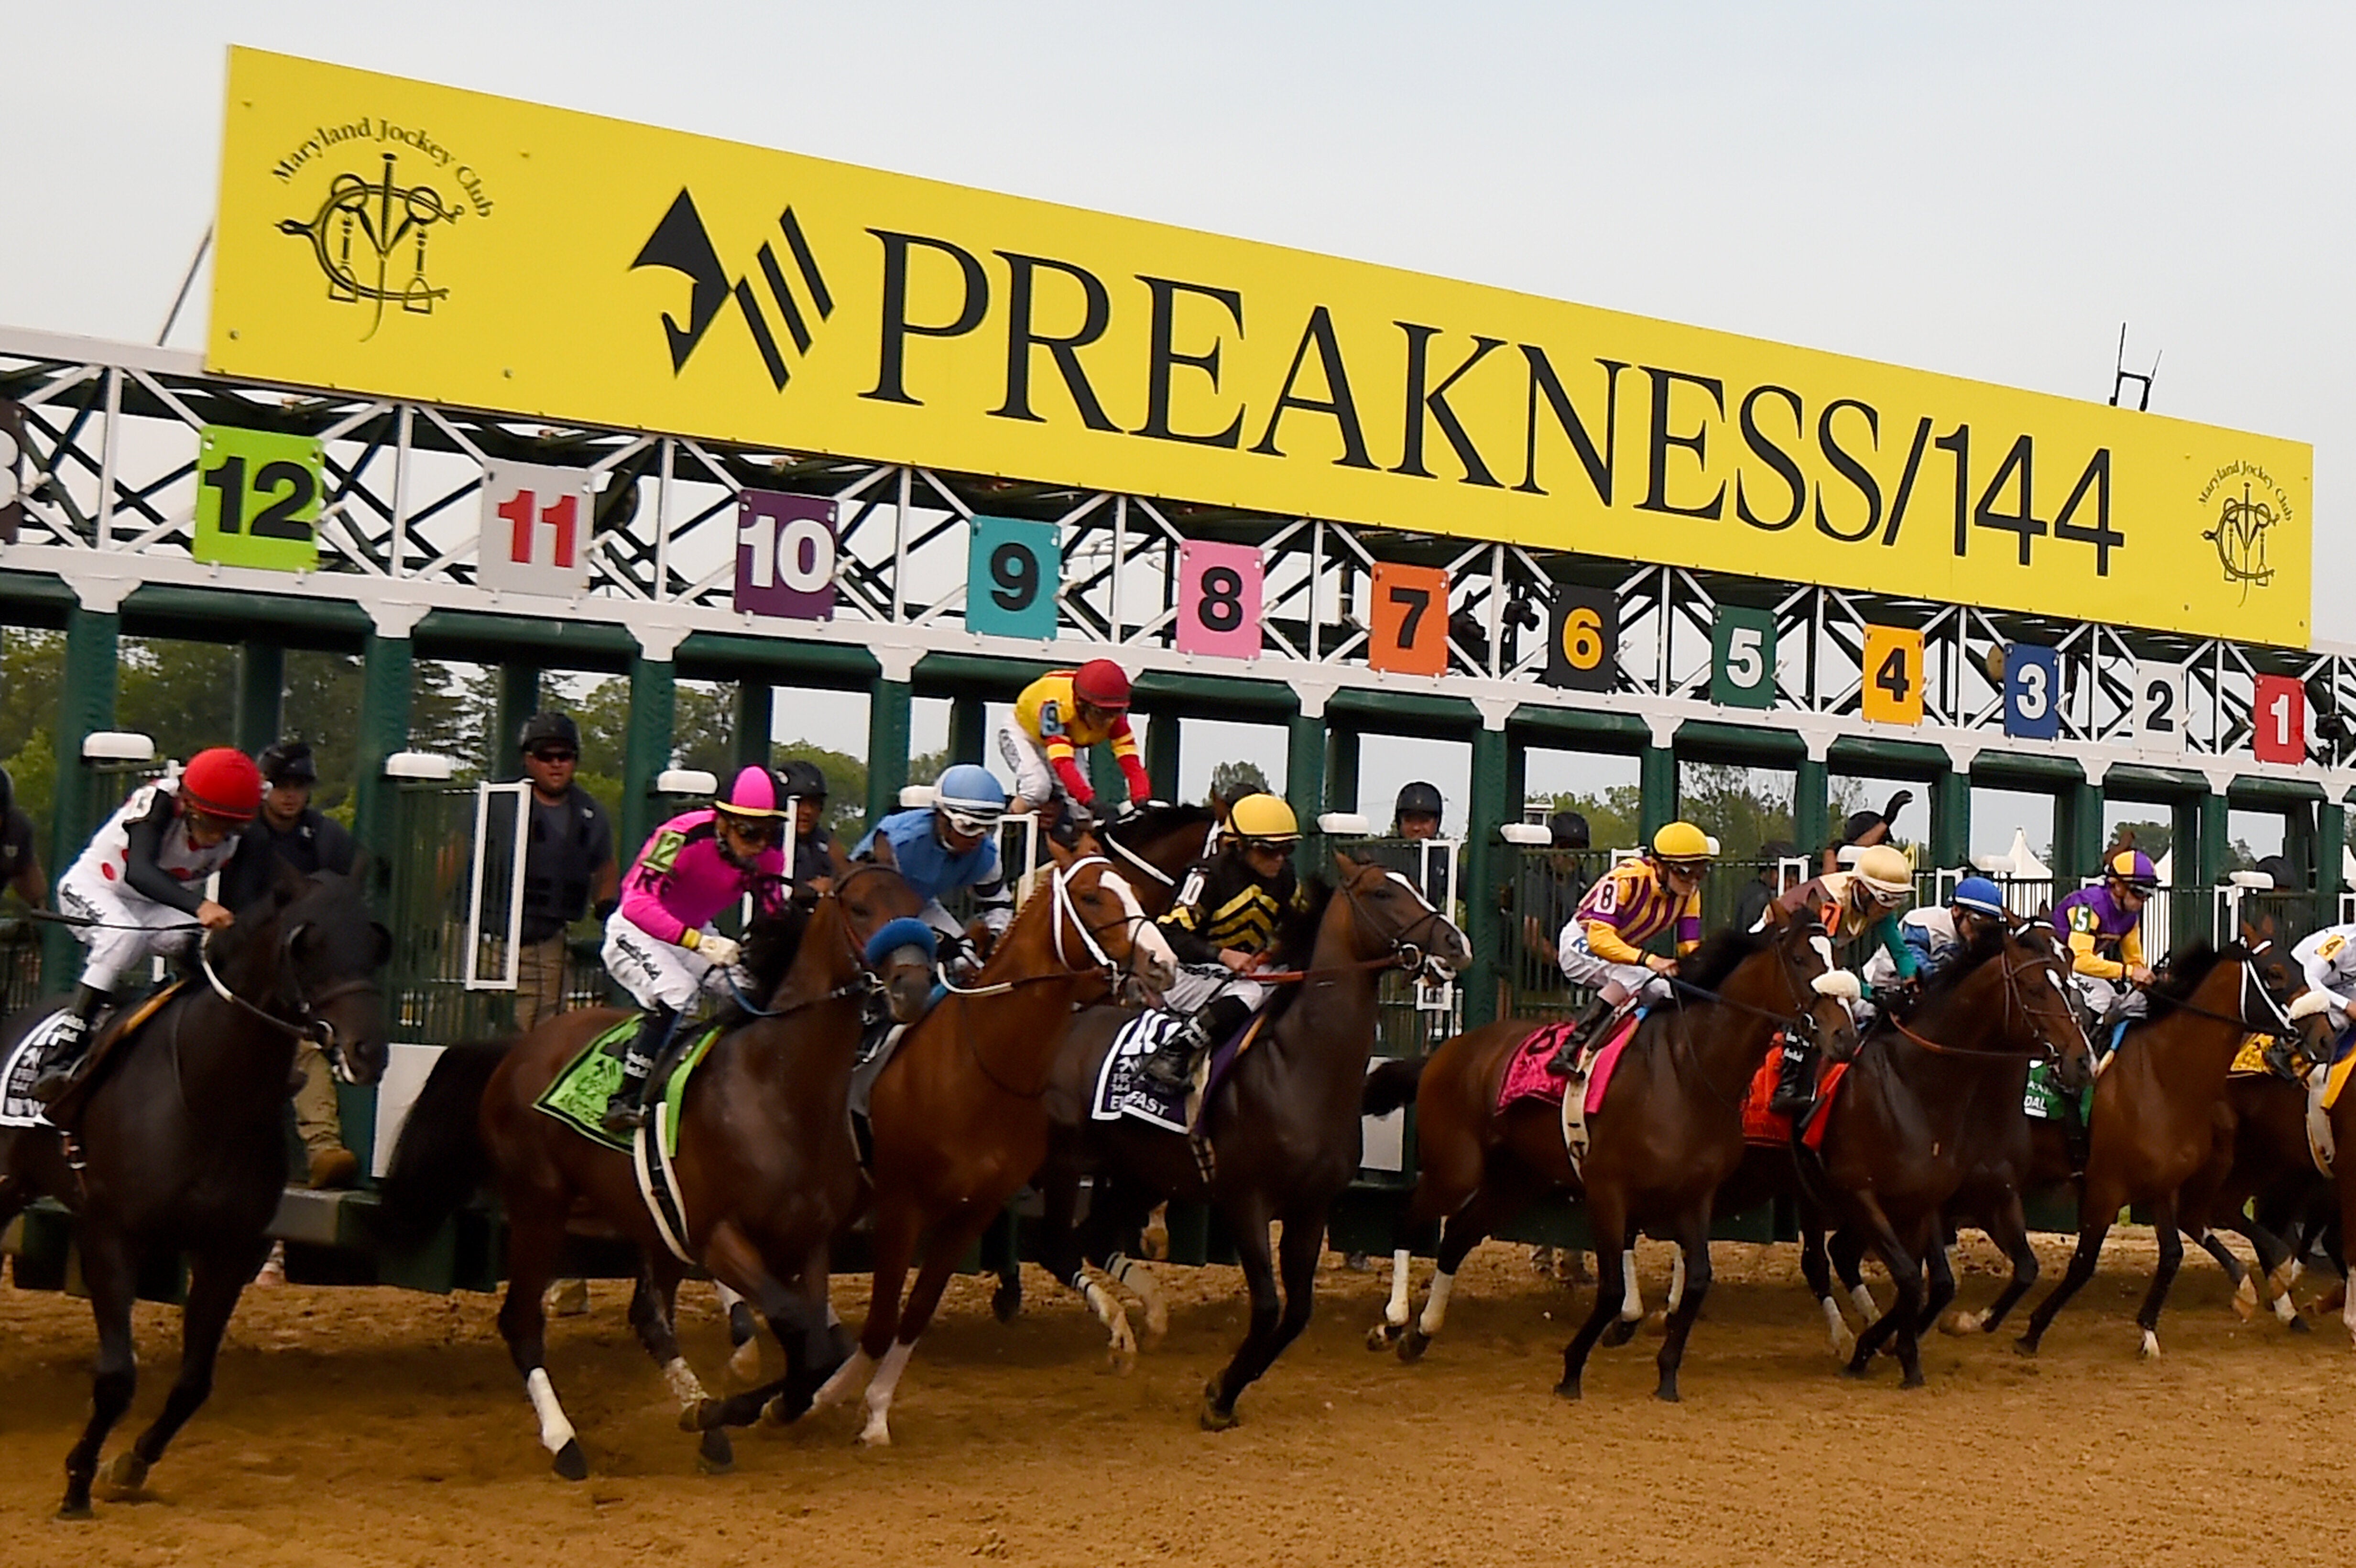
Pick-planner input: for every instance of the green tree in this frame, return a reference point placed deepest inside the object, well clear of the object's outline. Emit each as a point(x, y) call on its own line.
point(1612, 816)
point(846, 784)
point(1233, 781)
point(1743, 807)
point(927, 767)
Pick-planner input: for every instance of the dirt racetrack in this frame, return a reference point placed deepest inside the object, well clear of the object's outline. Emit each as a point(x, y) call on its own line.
point(382, 1427)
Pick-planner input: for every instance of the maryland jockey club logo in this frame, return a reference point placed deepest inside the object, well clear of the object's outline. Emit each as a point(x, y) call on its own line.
point(2244, 503)
point(681, 244)
point(371, 234)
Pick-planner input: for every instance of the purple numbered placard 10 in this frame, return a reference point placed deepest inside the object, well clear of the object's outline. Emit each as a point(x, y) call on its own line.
point(785, 555)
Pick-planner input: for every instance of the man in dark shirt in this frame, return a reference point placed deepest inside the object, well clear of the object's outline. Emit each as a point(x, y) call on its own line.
point(810, 863)
point(568, 861)
point(20, 862)
point(1773, 880)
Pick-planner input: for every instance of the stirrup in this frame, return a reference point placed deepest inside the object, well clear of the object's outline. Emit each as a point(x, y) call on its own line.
point(1170, 1067)
point(623, 1114)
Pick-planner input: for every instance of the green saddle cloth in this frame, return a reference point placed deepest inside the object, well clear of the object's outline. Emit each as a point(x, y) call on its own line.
point(577, 1096)
point(2044, 1098)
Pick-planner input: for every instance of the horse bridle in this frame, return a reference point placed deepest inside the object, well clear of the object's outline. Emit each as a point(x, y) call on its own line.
point(1406, 952)
point(307, 1018)
point(2010, 974)
point(1804, 1021)
point(2282, 1028)
point(865, 981)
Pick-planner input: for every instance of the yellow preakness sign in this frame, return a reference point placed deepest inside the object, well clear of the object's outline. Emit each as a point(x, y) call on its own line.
point(403, 238)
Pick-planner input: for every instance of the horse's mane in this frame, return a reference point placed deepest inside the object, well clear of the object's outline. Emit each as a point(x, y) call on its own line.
point(1156, 820)
point(1951, 975)
point(771, 943)
point(2185, 972)
point(1296, 941)
point(1721, 956)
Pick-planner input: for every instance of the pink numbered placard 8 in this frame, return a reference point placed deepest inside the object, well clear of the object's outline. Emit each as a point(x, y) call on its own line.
point(1218, 599)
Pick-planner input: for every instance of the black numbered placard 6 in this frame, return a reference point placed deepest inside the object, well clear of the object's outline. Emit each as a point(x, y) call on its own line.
point(1583, 653)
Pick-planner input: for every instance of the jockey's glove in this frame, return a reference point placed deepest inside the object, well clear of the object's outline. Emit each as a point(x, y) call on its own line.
point(722, 950)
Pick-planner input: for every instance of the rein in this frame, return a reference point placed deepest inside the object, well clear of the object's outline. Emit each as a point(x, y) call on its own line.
point(2045, 1049)
point(1064, 907)
point(864, 982)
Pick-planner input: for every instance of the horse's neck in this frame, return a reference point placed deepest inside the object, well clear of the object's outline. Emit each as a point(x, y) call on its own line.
point(1734, 1037)
point(1331, 1028)
point(1965, 1018)
point(2188, 1047)
point(823, 962)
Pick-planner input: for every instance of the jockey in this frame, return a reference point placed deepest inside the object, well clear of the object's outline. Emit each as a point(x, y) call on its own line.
point(2103, 926)
point(1937, 935)
point(952, 844)
point(1603, 945)
point(141, 885)
point(2329, 960)
point(1058, 716)
point(1221, 928)
point(660, 946)
point(1859, 909)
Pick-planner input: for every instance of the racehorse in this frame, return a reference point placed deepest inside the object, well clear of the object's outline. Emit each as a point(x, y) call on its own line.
point(1668, 1132)
point(1928, 1090)
point(180, 1134)
point(1279, 1141)
point(766, 1173)
point(956, 1114)
point(2153, 1124)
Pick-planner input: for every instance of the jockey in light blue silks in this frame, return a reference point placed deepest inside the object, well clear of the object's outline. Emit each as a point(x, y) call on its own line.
point(949, 844)
point(1937, 934)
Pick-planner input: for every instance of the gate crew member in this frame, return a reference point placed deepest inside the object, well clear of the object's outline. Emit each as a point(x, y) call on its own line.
point(140, 884)
point(1858, 907)
point(1221, 928)
point(952, 844)
point(568, 863)
point(1058, 716)
point(810, 864)
point(20, 861)
point(1602, 943)
point(660, 946)
point(290, 828)
point(2102, 925)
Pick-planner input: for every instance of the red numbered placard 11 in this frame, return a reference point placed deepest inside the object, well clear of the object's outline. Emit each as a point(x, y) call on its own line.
point(2279, 719)
point(1218, 599)
point(1407, 625)
point(535, 535)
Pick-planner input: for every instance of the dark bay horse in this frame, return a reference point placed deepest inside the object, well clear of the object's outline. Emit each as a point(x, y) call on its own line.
point(1283, 1132)
point(958, 1115)
point(766, 1173)
point(1669, 1131)
point(182, 1132)
point(2155, 1116)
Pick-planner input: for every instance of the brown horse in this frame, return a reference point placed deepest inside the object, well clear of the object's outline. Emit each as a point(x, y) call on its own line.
point(1669, 1131)
point(1927, 1090)
point(2343, 1171)
point(1283, 1132)
point(2260, 1182)
point(2154, 1119)
point(766, 1174)
point(958, 1115)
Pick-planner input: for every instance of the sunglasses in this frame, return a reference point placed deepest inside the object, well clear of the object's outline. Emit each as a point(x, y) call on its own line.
point(553, 756)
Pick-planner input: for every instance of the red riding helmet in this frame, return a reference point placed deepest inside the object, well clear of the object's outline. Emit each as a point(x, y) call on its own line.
point(222, 780)
point(1100, 683)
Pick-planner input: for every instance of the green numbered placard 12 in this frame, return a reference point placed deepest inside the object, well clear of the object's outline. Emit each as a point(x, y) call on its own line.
point(258, 497)
point(1743, 658)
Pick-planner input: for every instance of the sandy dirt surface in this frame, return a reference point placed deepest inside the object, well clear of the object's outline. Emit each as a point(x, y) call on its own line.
point(380, 1427)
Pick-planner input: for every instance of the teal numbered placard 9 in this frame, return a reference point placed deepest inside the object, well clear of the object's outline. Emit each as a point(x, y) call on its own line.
point(257, 495)
point(1743, 658)
point(1012, 577)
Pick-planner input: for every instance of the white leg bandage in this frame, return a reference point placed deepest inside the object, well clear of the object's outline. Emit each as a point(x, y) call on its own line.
point(1435, 1305)
point(1395, 1311)
point(555, 1432)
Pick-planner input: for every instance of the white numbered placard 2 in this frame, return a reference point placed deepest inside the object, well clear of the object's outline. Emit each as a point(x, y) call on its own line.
point(2159, 715)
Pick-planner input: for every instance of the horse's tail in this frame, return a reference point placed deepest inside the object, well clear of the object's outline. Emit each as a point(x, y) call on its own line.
point(441, 1160)
point(1393, 1084)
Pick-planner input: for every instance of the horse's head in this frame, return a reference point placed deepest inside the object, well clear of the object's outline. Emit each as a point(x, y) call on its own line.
point(330, 949)
point(2303, 1011)
point(1096, 924)
point(2035, 977)
point(1152, 848)
point(1817, 990)
point(1387, 911)
point(884, 926)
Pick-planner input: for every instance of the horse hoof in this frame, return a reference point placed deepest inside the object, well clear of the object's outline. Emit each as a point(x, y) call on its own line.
point(1667, 1395)
point(75, 1513)
point(1412, 1345)
point(1567, 1389)
point(124, 1475)
point(1382, 1336)
point(1911, 1379)
point(1622, 1329)
point(2297, 1326)
point(1215, 1419)
point(1006, 1303)
point(571, 1463)
point(744, 1365)
point(2150, 1349)
point(715, 1455)
point(1960, 1324)
point(2245, 1307)
point(2024, 1345)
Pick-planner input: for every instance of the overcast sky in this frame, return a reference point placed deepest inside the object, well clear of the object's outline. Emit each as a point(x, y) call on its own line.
point(1988, 190)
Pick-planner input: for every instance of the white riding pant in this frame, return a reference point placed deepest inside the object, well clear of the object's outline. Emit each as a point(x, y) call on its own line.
point(1027, 759)
point(134, 929)
point(2100, 994)
point(657, 972)
point(1199, 984)
point(1584, 968)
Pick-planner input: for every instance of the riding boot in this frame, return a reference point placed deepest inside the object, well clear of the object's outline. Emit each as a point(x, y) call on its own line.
point(62, 1061)
point(626, 1109)
point(1172, 1065)
point(2281, 1058)
point(1795, 1086)
point(1567, 1057)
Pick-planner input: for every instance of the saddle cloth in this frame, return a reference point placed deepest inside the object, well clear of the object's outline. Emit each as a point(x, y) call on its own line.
point(1526, 1076)
point(577, 1095)
point(1601, 1064)
point(2043, 1100)
point(1764, 1128)
point(17, 1106)
point(1123, 1090)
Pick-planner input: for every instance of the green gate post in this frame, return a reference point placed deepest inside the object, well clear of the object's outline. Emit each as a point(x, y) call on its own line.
point(85, 704)
point(2188, 910)
point(388, 675)
point(1656, 788)
point(2298, 834)
point(2079, 836)
point(1951, 819)
point(1161, 740)
point(2215, 843)
point(969, 731)
point(755, 710)
point(1342, 748)
point(1812, 807)
point(1494, 802)
point(2330, 841)
point(1104, 778)
point(518, 700)
point(260, 694)
point(887, 744)
point(1304, 775)
point(645, 748)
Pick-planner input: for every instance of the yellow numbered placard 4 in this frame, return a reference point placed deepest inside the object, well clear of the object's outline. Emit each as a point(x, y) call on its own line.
point(1893, 676)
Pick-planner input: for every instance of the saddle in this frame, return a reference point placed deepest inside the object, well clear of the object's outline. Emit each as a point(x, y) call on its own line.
point(577, 1095)
point(109, 1032)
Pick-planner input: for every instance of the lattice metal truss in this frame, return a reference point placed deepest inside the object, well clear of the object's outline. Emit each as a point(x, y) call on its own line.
point(112, 436)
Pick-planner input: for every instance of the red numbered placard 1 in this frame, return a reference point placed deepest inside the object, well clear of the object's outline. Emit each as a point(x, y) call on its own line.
point(1407, 628)
point(1218, 599)
point(535, 535)
point(2279, 719)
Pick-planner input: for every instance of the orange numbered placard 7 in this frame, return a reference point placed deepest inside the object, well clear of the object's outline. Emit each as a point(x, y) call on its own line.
point(1893, 676)
point(1406, 630)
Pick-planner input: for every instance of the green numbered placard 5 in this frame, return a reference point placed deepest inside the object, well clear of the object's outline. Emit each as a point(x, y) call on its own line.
point(1743, 658)
point(258, 495)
